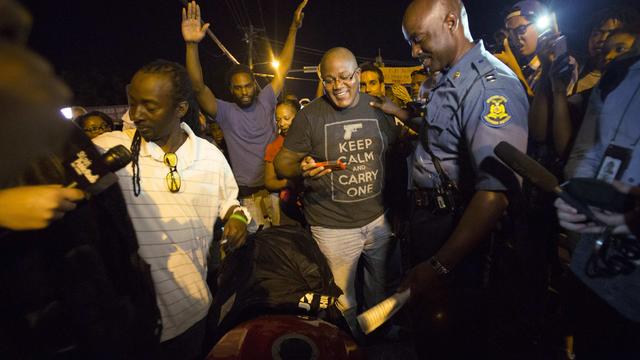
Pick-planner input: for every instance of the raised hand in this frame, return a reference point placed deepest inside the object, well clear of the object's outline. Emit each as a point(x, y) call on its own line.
point(299, 15)
point(192, 28)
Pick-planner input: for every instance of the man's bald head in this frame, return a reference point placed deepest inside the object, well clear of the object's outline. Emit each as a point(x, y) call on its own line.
point(435, 8)
point(341, 77)
point(438, 32)
point(338, 54)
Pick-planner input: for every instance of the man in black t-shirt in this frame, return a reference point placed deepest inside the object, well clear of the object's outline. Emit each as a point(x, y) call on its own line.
point(343, 206)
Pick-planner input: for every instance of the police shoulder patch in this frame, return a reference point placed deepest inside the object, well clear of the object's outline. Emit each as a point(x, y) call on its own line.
point(495, 112)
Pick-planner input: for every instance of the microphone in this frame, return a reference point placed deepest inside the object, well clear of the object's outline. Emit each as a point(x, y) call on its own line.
point(91, 175)
point(531, 170)
point(600, 194)
point(86, 169)
point(117, 157)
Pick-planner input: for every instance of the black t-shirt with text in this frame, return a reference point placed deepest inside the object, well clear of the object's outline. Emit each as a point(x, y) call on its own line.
point(359, 136)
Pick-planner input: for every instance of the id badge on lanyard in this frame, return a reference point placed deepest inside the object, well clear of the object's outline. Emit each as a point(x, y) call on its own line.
point(615, 162)
point(616, 158)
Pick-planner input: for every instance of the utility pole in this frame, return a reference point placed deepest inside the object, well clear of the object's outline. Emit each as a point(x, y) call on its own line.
point(251, 46)
point(250, 34)
point(378, 61)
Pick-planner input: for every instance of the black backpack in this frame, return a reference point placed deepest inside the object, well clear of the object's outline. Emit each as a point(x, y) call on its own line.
point(280, 270)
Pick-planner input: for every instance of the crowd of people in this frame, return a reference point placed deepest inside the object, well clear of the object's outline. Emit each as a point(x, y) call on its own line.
point(399, 186)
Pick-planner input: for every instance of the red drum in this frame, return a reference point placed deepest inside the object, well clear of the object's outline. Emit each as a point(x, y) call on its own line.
point(286, 337)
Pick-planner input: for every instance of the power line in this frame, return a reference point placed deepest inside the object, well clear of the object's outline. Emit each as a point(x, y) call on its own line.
point(298, 47)
point(244, 20)
point(234, 14)
point(245, 12)
point(288, 77)
point(261, 14)
point(312, 51)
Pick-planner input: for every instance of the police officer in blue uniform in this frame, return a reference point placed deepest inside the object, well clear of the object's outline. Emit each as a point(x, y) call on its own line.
point(460, 189)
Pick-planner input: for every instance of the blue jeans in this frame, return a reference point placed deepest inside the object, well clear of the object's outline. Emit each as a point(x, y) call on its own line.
point(343, 248)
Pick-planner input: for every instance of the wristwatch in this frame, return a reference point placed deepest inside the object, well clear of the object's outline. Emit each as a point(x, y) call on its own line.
point(438, 267)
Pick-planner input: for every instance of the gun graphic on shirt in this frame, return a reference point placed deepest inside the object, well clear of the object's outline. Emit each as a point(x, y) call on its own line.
point(350, 129)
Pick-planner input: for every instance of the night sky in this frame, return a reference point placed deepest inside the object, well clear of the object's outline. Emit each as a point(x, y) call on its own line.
point(97, 46)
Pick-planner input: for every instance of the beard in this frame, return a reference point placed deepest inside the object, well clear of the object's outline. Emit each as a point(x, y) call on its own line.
point(245, 102)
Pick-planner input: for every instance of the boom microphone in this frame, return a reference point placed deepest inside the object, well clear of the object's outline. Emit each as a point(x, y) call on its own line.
point(529, 169)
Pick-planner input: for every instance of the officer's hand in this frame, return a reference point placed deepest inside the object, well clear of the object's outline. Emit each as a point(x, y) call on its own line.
point(35, 207)
point(299, 15)
point(192, 29)
point(234, 235)
point(425, 284)
point(309, 168)
point(387, 106)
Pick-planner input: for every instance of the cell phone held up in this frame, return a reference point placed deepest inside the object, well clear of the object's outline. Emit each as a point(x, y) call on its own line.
point(334, 165)
point(559, 46)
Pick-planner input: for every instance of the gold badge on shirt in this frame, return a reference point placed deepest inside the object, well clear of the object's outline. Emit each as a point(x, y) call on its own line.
point(495, 112)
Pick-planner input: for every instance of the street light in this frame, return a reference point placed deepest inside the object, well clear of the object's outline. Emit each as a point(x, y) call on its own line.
point(275, 63)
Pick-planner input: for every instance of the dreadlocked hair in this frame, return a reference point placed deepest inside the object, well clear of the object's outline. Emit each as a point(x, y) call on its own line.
point(182, 89)
point(135, 154)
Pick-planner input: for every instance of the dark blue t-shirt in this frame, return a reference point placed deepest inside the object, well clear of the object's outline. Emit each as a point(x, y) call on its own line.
point(247, 132)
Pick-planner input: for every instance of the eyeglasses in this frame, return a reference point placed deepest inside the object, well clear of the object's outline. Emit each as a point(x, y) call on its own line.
point(96, 129)
point(330, 81)
point(519, 31)
point(172, 178)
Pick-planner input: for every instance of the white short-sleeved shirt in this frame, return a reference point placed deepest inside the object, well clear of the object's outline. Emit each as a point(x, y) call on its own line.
point(174, 230)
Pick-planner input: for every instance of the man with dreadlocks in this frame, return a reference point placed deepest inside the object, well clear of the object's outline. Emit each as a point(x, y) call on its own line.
point(175, 188)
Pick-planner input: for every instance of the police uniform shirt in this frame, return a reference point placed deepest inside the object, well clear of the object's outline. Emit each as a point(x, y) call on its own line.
point(476, 104)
